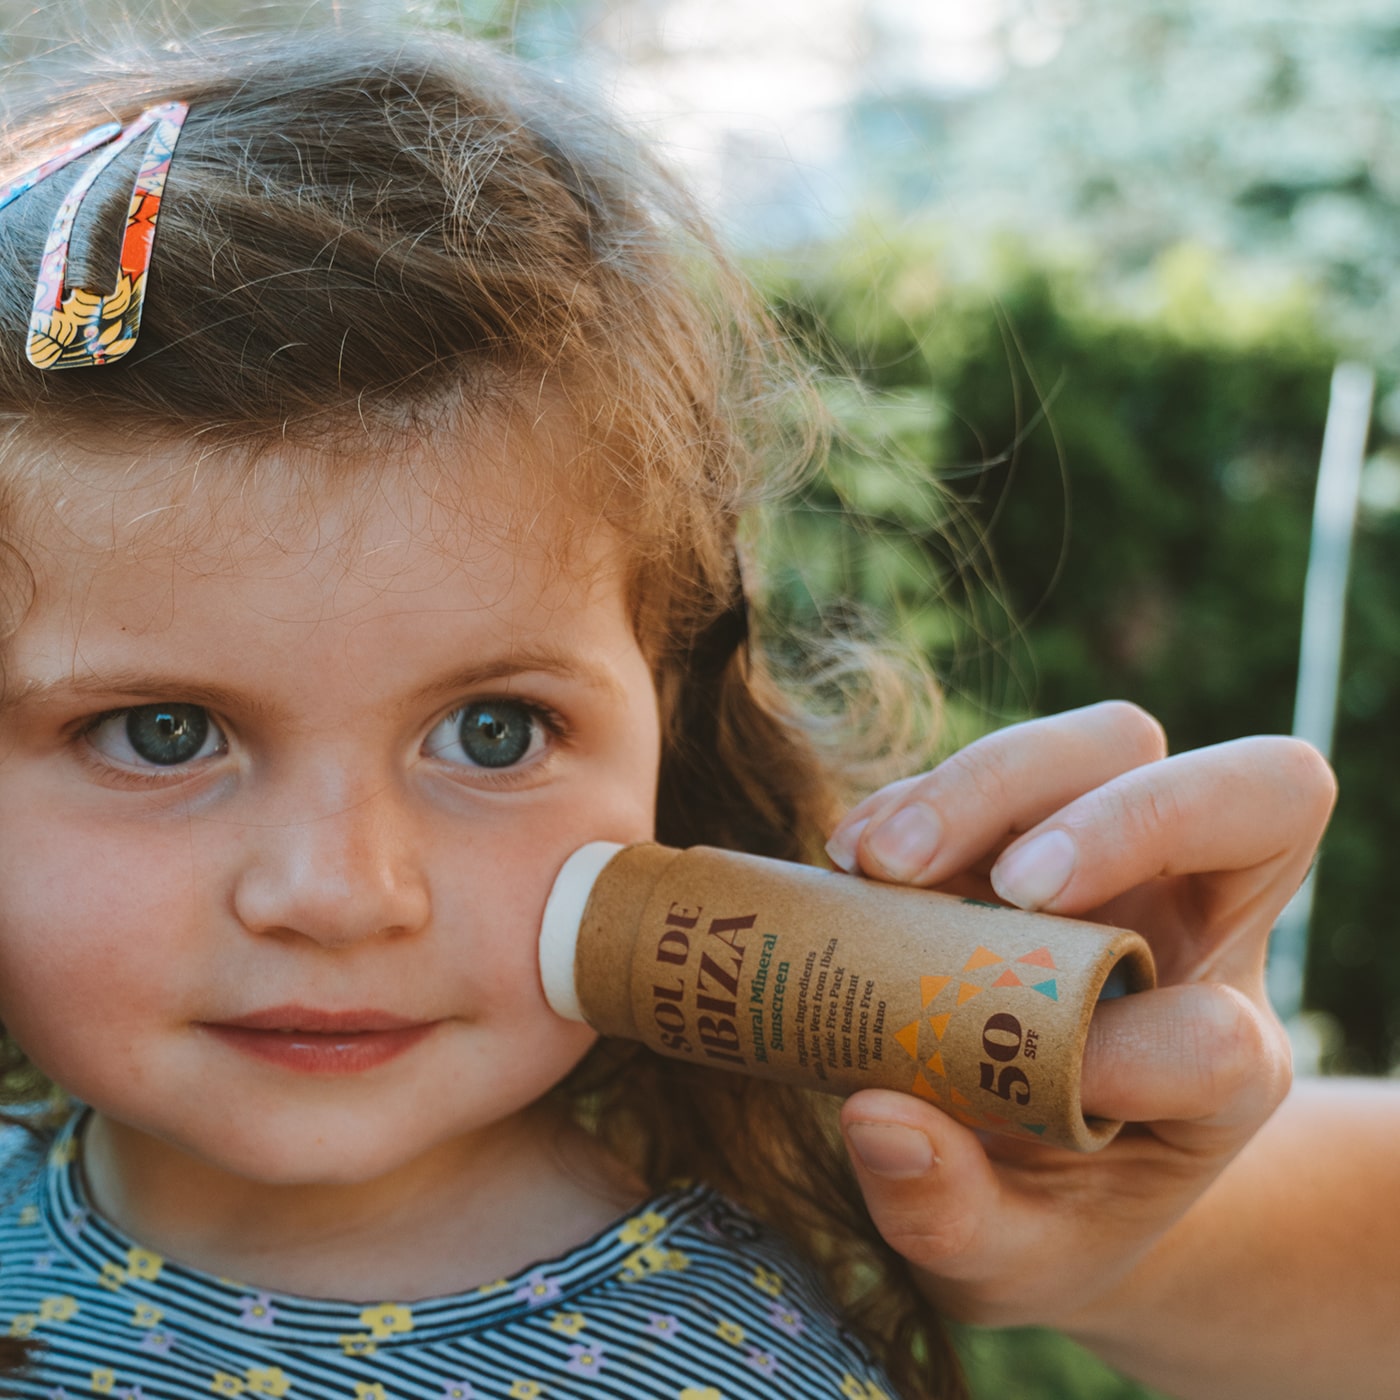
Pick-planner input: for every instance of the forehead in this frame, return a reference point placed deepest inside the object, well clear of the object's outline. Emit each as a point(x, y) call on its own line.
point(505, 488)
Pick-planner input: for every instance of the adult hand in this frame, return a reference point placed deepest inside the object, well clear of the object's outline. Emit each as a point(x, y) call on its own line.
point(1083, 814)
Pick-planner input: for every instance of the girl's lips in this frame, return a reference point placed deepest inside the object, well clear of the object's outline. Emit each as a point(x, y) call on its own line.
point(321, 1042)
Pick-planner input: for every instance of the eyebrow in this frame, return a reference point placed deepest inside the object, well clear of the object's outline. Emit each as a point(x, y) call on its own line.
point(34, 694)
point(156, 686)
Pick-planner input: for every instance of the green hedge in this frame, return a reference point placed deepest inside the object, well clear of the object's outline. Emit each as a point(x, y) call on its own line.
point(1063, 503)
point(1057, 503)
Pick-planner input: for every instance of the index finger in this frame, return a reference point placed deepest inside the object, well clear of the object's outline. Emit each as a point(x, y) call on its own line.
point(1231, 829)
point(923, 830)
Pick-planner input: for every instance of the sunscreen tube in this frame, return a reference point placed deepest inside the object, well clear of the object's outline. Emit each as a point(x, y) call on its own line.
point(838, 983)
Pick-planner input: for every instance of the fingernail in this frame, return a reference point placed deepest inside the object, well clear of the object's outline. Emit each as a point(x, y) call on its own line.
point(842, 846)
point(904, 844)
point(891, 1149)
point(1033, 874)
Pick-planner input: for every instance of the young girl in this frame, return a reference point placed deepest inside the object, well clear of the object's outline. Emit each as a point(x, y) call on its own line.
point(365, 555)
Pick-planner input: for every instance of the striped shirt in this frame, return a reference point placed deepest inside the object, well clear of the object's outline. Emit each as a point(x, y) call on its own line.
point(689, 1298)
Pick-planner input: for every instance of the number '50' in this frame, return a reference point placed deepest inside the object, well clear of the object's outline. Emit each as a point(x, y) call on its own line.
point(1001, 1041)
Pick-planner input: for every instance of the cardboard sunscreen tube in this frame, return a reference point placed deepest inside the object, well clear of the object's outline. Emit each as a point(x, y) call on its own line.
point(838, 983)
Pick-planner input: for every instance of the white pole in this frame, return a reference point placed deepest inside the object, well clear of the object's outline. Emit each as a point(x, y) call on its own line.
point(1320, 658)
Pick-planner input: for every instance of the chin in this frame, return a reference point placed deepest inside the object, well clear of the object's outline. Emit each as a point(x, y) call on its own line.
point(314, 1149)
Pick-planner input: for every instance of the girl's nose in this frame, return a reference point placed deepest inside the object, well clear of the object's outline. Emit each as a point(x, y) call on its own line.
point(336, 878)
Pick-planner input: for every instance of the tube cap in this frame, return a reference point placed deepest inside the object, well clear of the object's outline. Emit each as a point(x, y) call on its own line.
point(563, 912)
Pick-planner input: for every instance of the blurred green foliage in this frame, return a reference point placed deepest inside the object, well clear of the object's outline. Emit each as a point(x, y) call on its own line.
point(1031, 1364)
point(1061, 502)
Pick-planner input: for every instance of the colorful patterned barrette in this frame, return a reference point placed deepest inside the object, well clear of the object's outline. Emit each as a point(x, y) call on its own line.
point(77, 328)
point(89, 141)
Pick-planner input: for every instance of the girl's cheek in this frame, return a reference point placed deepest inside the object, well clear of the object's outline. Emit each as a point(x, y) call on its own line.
point(88, 919)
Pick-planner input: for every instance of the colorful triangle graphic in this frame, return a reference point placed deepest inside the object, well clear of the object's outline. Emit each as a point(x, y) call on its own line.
point(929, 987)
point(908, 1039)
point(1008, 979)
point(936, 1064)
point(966, 991)
point(1047, 989)
point(983, 957)
point(1036, 1128)
point(961, 1100)
point(940, 1023)
point(925, 1090)
point(1041, 958)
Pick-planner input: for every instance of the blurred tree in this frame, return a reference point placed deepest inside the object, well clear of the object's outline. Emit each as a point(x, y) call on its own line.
point(1263, 128)
point(1137, 493)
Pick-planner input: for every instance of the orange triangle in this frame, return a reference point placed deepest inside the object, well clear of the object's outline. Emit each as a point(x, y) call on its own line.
point(995, 1120)
point(925, 1090)
point(908, 1039)
point(929, 987)
point(1008, 979)
point(966, 991)
point(936, 1064)
point(959, 1099)
point(971, 1119)
point(1041, 958)
point(983, 957)
point(940, 1023)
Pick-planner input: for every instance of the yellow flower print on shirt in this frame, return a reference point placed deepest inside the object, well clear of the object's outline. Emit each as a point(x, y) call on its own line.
point(854, 1389)
point(113, 1276)
point(526, 1390)
point(652, 1259)
point(387, 1319)
point(146, 1315)
point(221, 1383)
point(730, 1332)
point(766, 1281)
point(358, 1344)
point(369, 1392)
point(692, 1392)
point(267, 1380)
point(143, 1263)
point(65, 1153)
point(23, 1324)
point(29, 1215)
point(58, 1309)
point(642, 1228)
point(103, 1381)
point(570, 1324)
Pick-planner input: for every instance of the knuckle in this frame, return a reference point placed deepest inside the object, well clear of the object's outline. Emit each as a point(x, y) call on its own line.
point(985, 767)
point(931, 1240)
point(1140, 810)
point(1241, 1054)
point(1308, 775)
point(1141, 732)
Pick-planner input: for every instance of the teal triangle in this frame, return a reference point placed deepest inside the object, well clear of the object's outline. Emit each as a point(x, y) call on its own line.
point(1047, 989)
point(1034, 1127)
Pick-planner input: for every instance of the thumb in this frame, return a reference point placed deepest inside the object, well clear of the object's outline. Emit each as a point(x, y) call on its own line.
point(928, 1184)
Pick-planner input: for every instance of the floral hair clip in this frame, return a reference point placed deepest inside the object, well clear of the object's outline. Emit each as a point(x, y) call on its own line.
point(89, 141)
point(77, 328)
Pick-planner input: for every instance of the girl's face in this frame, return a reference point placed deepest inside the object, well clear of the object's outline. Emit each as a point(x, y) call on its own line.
point(285, 777)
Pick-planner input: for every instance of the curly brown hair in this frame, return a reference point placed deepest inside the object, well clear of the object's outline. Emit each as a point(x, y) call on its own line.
point(358, 234)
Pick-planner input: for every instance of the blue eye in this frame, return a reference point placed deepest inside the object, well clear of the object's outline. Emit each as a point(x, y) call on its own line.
point(489, 733)
point(165, 736)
